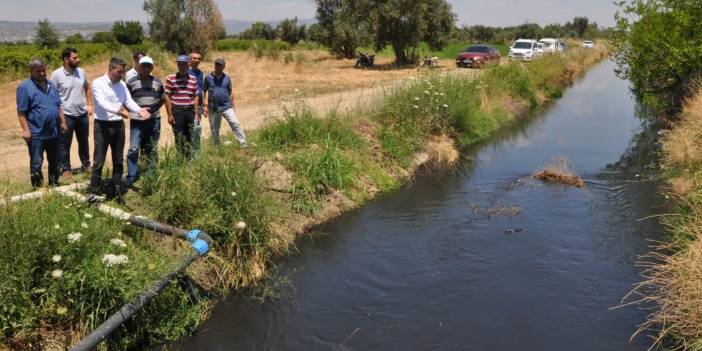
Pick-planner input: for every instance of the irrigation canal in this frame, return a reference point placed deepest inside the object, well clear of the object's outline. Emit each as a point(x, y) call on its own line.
point(441, 265)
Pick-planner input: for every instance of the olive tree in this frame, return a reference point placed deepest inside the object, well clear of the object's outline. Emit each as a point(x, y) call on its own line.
point(403, 24)
point(128, 32)
point(184, 25)
point(341, 26)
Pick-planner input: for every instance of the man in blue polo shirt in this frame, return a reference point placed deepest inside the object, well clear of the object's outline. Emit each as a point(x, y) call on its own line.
point(218, 91)
point(41, 117)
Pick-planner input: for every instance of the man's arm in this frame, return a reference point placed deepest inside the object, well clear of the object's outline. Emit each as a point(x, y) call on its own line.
point(196, 105)
point(205, 88)
point(169, 110)
point(132, 106)
point(231, 93)
point(22, 107)
point(88, 96)
point(26, 134)
point(62, 118)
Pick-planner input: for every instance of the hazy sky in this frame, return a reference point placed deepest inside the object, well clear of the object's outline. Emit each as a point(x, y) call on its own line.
point(489, 12)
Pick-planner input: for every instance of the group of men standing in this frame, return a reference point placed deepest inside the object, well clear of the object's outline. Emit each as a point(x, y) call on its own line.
point(52, 110)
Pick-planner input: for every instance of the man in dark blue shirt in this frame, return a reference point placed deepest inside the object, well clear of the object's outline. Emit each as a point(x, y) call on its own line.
point(218, 90)
point(41, 117)
point(195, 58)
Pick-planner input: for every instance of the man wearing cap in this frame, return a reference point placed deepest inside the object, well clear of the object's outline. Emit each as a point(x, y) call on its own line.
point(182, 106)
point(147, 91)
point(112, 105)
point(41, 118)
point(195, 58)
point(77, 103)
point(217, 89)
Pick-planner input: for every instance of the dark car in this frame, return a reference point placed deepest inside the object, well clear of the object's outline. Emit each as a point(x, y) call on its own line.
point(478, 56)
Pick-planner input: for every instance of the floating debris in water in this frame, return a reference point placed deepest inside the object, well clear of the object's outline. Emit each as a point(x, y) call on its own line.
point(512, 231)
point(559, 170)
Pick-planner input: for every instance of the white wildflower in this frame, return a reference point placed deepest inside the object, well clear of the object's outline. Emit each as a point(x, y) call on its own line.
point(84, 225)
point(415, 106)
point(87, 215)
point(233, 193)
point(118, 242)
point(56, 258)
point(61, 311)
point(416, 99)
point(67, 206)
point(426, 92)
point(445, 106)
point(73, 237)
point(113, 260)
point(57, 273)
point(56, 226)
point(227, 143)
point(241, 225)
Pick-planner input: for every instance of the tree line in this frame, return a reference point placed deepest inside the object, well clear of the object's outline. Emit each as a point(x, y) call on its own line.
point(343, 26)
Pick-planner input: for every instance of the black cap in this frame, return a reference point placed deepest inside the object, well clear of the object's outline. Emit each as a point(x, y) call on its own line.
point(219, 61)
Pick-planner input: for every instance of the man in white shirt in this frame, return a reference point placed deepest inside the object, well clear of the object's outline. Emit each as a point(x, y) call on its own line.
point(136, 56)
point(113, 105)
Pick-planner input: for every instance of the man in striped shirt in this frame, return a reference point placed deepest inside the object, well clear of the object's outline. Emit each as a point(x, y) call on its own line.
point(182, 105)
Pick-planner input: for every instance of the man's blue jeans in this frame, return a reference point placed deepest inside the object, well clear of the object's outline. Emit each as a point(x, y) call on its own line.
point(37, 148)
point(143, 138)
point(81, 126)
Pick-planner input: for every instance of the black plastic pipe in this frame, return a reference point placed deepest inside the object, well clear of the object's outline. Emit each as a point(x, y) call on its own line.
point(130, 309)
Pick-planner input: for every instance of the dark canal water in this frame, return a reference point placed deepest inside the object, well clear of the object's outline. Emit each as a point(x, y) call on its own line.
point(426, 268)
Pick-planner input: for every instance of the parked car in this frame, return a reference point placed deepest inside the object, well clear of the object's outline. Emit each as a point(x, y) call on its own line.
point(523, 49)
point(588, 44)
point(551, 46)
point(540, 49)
point(478, 56)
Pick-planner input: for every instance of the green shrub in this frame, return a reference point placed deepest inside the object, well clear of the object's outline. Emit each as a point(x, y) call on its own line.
point(55, 275)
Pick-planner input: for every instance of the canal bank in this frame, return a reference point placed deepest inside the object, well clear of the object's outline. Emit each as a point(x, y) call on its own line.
point(437, 265)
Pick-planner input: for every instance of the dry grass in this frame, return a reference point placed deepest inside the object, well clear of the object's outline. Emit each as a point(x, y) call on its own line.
point(442, 151)
point(673, 278)
point(673, 283)
point(559, 170)
point(682, 146)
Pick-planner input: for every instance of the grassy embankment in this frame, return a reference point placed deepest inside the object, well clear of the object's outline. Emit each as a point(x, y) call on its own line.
point(674, 279)
point(303, 170)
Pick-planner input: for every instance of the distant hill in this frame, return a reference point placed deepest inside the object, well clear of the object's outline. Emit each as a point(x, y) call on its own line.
point(15, 31)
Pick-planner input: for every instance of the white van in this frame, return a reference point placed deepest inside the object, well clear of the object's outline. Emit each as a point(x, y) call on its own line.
point(523, 49)
point(551, 46)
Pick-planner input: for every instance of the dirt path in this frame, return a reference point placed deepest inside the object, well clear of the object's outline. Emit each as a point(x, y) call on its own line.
point(263, 90)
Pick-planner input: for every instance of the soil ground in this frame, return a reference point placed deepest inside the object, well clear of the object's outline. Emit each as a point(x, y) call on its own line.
point(262, 89)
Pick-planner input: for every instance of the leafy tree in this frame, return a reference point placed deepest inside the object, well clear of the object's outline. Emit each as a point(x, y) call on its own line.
point(46, 37)
point(259, 30)
point(184, 25)
point(554, 30)
point(104, 37)
point(342, 26)
point(580, 24)
point(658, 46)
point(290, 32)
point(76, 38)
point(483, 33)
point(405, 23)
point(528, 31)
point(128, 32)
